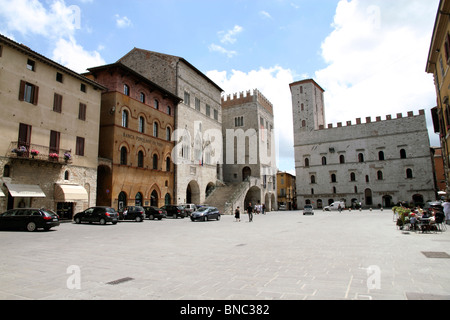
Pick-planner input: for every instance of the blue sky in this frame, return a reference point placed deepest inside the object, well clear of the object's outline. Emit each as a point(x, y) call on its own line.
point(369, 55)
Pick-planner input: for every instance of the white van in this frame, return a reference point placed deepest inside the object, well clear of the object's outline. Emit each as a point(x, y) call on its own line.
point(335, 206)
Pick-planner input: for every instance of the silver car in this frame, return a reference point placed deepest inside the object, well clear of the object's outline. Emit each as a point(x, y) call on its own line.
point(308, 209)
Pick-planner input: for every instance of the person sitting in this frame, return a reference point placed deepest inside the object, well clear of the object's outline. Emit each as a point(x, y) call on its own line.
point(413, 221)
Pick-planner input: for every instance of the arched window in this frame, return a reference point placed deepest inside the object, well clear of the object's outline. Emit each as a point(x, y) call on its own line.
point(66, 175)
point(409, 173)
point(324, 161)
point(140, 159)
point(403, 154)
point(169, 110)
point(126, 90)
point(380, 175)
point(155, 162)
point(313, 179)
point(381, 156)
point(168, 164)
point(155, 129)
point(168, 134)
point(361, 157)
point(352, 176)
point(156, 104)
point(307, 163)
point(123, 156)
point(142, 97)
point(141, 125)
point(125, 118)
point(333, 178)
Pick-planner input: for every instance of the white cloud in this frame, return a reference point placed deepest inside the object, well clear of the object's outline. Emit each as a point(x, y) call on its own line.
point(57, 22)
point(265, 14)
point(75, 57)
point(228, 37)
point(273, 83)
point(216, 48)
point(376, 59)
point(122, 22)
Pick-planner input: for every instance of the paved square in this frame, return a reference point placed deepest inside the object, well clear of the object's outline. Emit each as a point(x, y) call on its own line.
point(282, 255)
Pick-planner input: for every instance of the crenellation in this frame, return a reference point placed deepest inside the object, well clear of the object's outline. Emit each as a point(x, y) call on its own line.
point(256, 96)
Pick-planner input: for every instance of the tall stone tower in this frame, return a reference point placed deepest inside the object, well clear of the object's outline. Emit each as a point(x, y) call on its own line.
point(308, 108)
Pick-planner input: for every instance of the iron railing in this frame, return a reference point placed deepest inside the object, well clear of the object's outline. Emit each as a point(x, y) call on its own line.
point(36, 152)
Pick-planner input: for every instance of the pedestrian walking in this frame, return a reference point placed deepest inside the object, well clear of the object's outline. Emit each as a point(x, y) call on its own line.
point(446, 206)
point(264, 208)
point(250, 212)
point(237, 215)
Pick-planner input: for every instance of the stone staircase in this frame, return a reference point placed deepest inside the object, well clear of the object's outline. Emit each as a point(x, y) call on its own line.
point(226, 197)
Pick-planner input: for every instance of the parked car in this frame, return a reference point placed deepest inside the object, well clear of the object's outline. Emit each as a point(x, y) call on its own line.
point(153, 213)
point(205, 214)
point(135, 213)
point(102, 215)
point(175, 211)
point(335, 206)
point(189, 207)
point(308, 209)
point(29, 219)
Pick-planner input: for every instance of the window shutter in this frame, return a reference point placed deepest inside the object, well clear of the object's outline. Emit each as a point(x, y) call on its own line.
point(22, 91)
point(36, 95)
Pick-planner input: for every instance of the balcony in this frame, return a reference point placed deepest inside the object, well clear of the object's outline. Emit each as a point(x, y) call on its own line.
point(34, 152)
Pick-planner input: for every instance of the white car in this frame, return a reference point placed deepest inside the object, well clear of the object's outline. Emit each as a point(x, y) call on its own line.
point(335, 206)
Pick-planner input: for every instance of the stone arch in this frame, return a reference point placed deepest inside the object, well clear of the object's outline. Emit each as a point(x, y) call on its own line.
point(193, 192)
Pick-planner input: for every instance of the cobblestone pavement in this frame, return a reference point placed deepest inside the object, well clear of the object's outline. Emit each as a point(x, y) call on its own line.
point(282, 255)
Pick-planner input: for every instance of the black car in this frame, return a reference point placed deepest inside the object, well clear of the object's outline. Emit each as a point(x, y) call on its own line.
point(205, 214)
point(175, 211)
point(102, 215)
point(153, 213)
point(133, 213)
point(29, 219)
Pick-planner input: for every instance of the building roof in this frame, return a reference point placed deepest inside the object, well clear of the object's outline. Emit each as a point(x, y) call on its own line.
point(306, 81)
point(27, 51)
point(439, 33)
point(135, 74)
point(177, 58)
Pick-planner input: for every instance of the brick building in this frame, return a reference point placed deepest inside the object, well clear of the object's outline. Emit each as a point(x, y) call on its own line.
point(136, 127)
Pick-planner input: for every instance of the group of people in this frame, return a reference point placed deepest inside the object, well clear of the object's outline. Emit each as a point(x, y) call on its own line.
point(257, 209)
point(420, 219)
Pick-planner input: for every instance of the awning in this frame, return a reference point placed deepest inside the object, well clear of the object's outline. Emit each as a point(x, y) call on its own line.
point(1, 193)
point(25, 191)
point(70, 193)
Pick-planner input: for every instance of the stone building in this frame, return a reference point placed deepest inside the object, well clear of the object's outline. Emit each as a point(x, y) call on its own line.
point(376, 163)
point(438, 64)
point(198, 121)
point(249, 147)
point(49, 128)
point(136, 127)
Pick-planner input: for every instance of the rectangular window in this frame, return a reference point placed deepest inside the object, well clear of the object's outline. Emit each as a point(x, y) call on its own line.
point(187, 99)
point(82, 112)
point(31, 65)
point(216, 115)
point(208, 110)
point(197, 104)
point(54, 141)
point(1, 50)
point(80, 147)
point(83, 88)
point(57, 103)
point(59, 77)
point(28, 92)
